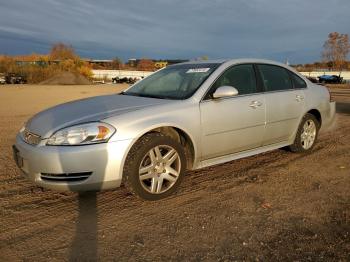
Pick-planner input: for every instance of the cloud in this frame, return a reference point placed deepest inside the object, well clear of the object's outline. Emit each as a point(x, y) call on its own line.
point(294, 29)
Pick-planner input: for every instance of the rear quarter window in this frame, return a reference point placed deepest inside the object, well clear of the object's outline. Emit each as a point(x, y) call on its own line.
point(298, 82)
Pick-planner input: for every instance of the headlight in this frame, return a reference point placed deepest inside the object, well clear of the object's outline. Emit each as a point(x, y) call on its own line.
point(23, 128)
point(84, 134)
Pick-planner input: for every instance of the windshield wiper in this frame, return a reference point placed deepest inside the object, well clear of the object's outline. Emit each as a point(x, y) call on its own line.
point(129, 94)
point(153, 96)
point(146, 95)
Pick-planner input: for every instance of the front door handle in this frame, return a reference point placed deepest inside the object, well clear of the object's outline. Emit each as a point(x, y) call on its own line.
point(255, 104)
point(299, 98)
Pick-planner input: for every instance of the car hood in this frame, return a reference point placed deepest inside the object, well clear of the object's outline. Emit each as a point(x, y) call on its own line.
point(86, 110)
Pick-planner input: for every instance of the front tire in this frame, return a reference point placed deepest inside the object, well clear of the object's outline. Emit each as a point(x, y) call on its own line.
point(306, 135)
point(154, 167)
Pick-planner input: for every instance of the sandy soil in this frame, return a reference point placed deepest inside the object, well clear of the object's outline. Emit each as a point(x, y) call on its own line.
point(66, 78)
point(274, 206)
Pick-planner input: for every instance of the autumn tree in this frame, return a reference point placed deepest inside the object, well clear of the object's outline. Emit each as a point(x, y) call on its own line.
point(37, 72)
point(61, 51)
point(335, 49)
point(69, 60)
point(7, 64)
point(145, 65)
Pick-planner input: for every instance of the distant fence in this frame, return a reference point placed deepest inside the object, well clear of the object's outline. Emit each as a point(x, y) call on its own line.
point(345, 74)
point(109, 74)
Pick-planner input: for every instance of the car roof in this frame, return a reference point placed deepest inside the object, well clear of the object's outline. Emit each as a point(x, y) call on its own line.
point(234, 61)
point(217, 61)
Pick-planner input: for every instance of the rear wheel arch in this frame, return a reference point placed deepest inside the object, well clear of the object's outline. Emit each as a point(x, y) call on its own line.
point(316, 114)
point(298, 141)
point(313, 112)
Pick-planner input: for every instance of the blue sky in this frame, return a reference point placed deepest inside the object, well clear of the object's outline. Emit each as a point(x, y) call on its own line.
point(185, 29)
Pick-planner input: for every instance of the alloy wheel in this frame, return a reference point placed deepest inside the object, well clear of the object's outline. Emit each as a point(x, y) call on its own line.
point(159, 169)
point(308, 135)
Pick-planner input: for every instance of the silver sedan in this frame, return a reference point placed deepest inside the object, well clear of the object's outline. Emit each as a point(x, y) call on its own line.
point(184, 117)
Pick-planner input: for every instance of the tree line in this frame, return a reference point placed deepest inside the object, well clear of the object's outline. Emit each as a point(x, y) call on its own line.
point(37, 67)
point(62, 57)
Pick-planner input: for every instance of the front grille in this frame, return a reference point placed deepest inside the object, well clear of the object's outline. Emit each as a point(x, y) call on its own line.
point(65, 177)
point(31, 138)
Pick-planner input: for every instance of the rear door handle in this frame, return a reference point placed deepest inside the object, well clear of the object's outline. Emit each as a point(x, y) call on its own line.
point(255, 104)
point(299, 98)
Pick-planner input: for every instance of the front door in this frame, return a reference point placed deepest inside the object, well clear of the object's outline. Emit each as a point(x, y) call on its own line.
point(233, 124)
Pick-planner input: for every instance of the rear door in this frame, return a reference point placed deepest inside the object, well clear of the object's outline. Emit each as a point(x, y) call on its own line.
point(284, 103)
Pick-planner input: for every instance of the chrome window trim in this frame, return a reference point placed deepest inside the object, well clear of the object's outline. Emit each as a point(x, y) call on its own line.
point(231, 97)
point(279, 91)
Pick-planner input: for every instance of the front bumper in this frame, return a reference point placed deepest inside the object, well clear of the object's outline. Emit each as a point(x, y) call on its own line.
point(102, 162)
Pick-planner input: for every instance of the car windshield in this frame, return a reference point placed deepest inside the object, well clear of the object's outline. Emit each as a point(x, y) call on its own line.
point(174, 82)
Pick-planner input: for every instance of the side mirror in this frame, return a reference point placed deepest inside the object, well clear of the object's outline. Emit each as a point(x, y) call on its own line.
point(225, 91)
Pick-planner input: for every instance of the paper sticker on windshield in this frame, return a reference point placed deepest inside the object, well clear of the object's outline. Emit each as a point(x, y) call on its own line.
point(197, 70)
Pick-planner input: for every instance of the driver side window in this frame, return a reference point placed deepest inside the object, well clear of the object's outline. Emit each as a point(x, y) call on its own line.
point(241, 77)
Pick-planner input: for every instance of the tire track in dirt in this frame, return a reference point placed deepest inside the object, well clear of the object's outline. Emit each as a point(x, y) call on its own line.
point(199, 180)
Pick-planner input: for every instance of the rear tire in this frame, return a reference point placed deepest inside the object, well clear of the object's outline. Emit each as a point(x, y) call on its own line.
point(154, 167)
point(306, 136)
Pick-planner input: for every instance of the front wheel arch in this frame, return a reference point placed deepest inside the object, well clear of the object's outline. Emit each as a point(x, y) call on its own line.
point(178, 134)
point(135, 158)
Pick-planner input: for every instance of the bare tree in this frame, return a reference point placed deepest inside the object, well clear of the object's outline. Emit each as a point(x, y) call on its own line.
point(335, 49)
point(117, 63)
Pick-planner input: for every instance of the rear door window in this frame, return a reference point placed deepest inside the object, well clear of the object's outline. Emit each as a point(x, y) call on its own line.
point(275, 78)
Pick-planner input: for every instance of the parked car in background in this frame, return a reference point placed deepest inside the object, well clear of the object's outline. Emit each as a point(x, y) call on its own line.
point(330, 79)
point(124, 80)
point(12, 78)
point(183, 117)
point(2, 79)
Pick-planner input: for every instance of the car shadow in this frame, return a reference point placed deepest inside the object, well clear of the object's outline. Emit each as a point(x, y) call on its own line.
point(84, 244)
point(343, 108)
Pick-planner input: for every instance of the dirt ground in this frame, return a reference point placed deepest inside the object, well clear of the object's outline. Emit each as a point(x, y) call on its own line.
point(66, 78)
point(273, 206)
